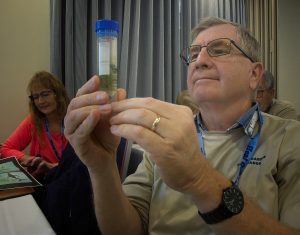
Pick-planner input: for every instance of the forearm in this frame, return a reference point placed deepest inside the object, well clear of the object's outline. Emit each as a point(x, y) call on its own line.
point(17, 141)
point(115, 214)
point(8, 152)
point(251, 220)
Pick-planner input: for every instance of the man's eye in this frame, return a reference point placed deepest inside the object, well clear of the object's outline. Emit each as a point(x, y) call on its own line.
point(193, 55)
point(194, 52)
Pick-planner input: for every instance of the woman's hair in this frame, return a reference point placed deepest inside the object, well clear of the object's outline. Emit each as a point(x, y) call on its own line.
point(48, 81)
point(184, 98)
point(247, 42)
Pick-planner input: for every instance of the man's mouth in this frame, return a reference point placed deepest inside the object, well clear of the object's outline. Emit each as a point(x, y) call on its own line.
point(203, 79)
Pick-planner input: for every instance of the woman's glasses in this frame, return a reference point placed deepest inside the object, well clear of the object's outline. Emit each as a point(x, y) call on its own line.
point(43, 94)
point(217, 47)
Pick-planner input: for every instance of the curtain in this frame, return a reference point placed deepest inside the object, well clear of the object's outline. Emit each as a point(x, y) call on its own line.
point(73, 38)
point(152, 34)
point(262, 22)
point(193, 11)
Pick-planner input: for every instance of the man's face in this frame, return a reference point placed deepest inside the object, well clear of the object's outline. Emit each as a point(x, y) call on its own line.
point(225, 79)
point(264, 97)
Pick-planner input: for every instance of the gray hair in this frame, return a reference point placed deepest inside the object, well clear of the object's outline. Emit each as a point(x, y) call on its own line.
point(269, 80)
point(247, 42)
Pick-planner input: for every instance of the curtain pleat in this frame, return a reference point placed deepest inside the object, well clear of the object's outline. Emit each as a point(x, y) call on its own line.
point(56, 39)
point(262, 18)
point(152, 34)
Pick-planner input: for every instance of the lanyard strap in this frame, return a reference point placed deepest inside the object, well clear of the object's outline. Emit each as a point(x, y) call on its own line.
point(249, 150)
point(51, 140)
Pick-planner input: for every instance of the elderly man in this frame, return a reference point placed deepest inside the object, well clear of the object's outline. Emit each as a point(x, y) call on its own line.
point(230, 170)
point(265, 98)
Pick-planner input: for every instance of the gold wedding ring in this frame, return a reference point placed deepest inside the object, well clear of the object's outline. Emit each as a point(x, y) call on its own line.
point(155, 123)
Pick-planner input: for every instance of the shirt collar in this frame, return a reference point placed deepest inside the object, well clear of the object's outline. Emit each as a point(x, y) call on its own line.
point(247, 121)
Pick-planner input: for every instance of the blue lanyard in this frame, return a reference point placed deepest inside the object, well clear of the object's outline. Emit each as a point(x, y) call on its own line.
point(250, 148)
point(51, 140)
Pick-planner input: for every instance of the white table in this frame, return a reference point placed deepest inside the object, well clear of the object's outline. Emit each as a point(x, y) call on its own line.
point(22, 216)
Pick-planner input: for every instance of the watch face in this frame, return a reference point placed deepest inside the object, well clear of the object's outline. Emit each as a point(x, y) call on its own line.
point(233, 199)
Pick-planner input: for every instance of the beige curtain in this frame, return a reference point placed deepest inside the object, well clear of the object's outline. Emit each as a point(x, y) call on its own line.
point(262, 22)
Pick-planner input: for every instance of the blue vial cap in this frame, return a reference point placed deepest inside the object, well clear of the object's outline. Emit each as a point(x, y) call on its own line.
point(107, 25)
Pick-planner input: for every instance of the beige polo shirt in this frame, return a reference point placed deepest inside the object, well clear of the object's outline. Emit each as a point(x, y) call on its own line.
point(272, 179)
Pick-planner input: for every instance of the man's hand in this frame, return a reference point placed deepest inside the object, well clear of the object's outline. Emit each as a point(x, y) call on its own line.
point(172, 143)
point(87, 124)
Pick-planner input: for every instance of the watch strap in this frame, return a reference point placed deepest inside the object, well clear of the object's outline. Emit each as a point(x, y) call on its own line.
point(215, 216)
point(222, 212)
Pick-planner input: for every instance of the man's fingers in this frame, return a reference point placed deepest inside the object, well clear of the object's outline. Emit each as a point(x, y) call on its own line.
point(121, 94)
point(145, 118)
point(145, 137)
point(159, 107)
point(96, 98)
point(76, 117)
point(90, 86)
point(87, 126)
point(81, 107)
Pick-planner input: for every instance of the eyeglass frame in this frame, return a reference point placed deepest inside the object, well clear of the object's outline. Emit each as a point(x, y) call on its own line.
point(44, 94)
point(185, 60)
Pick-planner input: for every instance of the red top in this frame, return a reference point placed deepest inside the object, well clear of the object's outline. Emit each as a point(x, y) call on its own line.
point(24, 135)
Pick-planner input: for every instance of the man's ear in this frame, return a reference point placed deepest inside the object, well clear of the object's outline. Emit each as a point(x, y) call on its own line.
point(256, 75)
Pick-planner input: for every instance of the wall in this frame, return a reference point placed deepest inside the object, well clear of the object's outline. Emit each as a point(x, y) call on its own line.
point(24, 49)
point(289, 51)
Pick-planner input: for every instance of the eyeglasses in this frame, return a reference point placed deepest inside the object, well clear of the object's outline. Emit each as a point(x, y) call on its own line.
point(217, 47)
point(42, 94)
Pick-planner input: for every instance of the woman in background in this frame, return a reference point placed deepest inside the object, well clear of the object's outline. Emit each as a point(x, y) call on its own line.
point(43, 128)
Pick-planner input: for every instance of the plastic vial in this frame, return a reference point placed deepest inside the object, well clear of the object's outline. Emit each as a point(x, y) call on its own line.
point(107, 62)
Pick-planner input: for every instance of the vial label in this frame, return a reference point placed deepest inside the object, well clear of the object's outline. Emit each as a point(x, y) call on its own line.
point(104, 58)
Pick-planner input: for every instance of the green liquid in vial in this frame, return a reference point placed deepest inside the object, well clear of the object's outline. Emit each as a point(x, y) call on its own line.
point(109, 82)
point(107, 65)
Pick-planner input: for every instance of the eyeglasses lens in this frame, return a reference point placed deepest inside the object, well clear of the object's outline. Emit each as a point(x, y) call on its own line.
point(43, 94)
point(219, 47)
point(215, 48)
point(193, 52)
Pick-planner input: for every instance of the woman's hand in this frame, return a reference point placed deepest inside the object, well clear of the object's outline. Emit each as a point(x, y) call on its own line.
point(41, 167)
point(36, 165)
point(26, 160)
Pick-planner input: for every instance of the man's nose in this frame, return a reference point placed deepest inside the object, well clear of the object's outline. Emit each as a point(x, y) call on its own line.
point(203, 57)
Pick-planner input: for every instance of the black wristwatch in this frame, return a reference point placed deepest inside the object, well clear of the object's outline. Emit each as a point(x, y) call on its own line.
point(232, 204)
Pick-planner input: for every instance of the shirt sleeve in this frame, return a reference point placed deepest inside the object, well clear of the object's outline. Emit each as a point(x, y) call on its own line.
point(288, 177)
point(138, 188)
point(18, 140)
